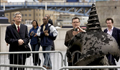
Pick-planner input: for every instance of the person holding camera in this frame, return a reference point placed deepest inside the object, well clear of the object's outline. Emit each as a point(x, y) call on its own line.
point(70, 33)
point(35, 44)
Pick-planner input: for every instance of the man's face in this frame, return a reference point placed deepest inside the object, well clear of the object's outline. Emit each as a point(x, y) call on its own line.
point(75, 23)
point(18, 18)
point(45, 20)
point(109, 23)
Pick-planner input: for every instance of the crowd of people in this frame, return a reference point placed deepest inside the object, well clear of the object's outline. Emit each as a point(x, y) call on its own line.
point(18, 36)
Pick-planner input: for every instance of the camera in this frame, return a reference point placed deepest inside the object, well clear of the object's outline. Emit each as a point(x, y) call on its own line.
point(75, 29)
point(32, 33)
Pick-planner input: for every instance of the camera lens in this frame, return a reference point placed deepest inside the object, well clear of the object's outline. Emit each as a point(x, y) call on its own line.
point(75, 29)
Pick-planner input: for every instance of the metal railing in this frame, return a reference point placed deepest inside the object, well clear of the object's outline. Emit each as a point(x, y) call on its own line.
point(89, 67)
point(49, 4)
point(21, 66)
point(76, 53)
point(65, 60)
point(56, 58)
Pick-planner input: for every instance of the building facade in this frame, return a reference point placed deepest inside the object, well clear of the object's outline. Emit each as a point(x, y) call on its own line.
point(3, 1)
point(33, 14)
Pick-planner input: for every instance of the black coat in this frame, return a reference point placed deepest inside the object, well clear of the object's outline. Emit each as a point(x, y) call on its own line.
point(12, 37)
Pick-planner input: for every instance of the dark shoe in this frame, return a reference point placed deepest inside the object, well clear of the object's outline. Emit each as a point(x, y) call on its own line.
point(35, 64)
point(49, 67)
point(45, 66)
point(39, 62)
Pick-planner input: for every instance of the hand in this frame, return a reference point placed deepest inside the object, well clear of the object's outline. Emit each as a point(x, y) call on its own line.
point(31, 34)
point(35, 35)
point(81, 30)
point(46, 31)
point(46, 34)
point(75, 33)
point(20, 42)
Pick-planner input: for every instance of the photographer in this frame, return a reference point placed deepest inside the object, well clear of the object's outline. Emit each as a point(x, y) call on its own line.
point(70, 33)
point(35, 45)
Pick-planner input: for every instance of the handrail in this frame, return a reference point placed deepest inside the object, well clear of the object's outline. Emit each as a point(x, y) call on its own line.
point(62, 3)
point(88, 67)
point(22, 66)
point(23, 52)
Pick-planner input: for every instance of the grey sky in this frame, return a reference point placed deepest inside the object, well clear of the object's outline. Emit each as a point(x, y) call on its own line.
point(20, 0)
point(16, 0)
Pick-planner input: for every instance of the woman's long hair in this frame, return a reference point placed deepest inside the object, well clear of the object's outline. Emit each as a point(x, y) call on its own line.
point(35, 21)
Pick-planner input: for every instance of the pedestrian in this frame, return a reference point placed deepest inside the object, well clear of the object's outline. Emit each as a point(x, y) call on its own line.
point(17, 36)
point(71, 33)
point(51, 22)
point(48, 34)
point(35, 44)
point(115, 32)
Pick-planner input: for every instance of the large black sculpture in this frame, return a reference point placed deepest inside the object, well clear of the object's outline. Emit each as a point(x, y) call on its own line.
point(93, 44)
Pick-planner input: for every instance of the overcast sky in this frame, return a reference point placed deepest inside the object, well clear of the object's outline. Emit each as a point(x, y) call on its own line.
point(16, 0)
point(20, 0)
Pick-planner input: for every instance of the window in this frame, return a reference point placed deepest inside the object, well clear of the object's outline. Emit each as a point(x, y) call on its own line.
point(23, 20)
point(22, 14)
point(29, 14)
point(25, 14)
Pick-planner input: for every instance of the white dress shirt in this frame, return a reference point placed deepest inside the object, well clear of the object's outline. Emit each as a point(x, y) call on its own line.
point(110, 31)
point(17, 26)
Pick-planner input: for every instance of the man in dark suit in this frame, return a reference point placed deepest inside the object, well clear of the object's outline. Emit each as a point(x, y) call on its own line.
point(115, 32)
point(16, 43)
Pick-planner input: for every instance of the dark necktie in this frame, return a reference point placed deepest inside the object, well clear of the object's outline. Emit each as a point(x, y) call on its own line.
point(18, 29)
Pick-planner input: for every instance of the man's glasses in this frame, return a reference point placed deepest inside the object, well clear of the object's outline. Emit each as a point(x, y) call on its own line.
point(18, 17)
point(75, 22)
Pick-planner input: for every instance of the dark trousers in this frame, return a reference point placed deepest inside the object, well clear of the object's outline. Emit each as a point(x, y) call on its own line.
point(18, 59)
point(69, 63)
point(36, 59)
